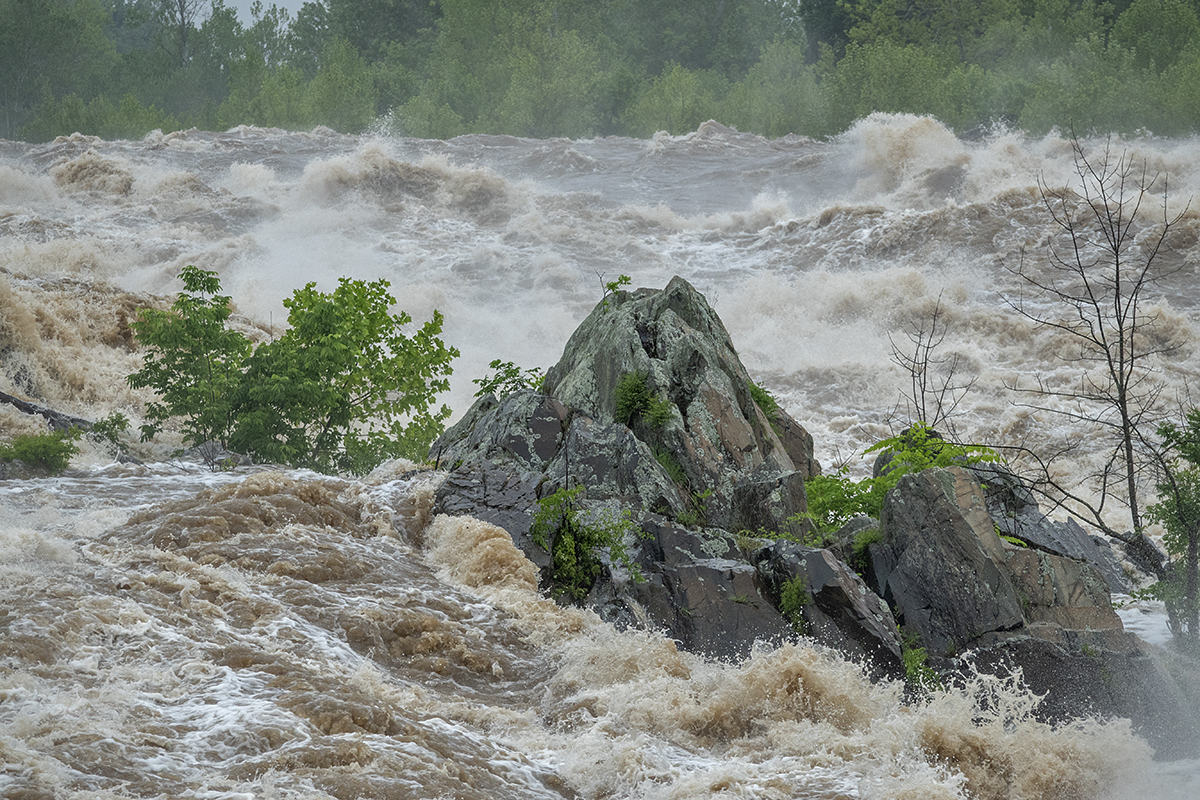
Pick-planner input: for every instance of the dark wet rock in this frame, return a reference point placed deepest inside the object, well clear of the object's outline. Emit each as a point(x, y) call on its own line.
point(1015, 512)
point(939, 566)
point(844, 614)
point(503, 495)
point(720, 608)
point(1103, 675)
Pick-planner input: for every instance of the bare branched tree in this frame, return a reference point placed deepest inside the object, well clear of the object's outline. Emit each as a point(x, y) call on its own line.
point(178, 19)
point(937, 382)
point(1094, 290)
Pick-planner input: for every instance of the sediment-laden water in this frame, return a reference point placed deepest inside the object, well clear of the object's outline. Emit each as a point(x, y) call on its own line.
point(166, 631)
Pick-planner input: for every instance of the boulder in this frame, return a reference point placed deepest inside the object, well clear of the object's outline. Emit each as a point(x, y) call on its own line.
point(844, 614)
point(723, 442)
point(1016, 513)
point(940, 566)
point(720, 608)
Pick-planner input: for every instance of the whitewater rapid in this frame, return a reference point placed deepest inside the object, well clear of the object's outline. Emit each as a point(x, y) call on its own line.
point(167, 631)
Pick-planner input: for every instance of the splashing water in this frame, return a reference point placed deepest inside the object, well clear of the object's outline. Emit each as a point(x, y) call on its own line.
point(171, 632)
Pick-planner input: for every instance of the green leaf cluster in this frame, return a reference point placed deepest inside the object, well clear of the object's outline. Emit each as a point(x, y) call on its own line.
point(793, 596)
point(833, 500)
point(575, 541)
point(344, 388)
point(50, 451)
point(507, 378)
point(635, 401)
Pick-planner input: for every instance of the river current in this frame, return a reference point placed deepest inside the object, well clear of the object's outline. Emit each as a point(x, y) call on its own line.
point(167, 631)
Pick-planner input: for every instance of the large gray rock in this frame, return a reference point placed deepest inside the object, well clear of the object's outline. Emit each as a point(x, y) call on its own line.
point(1016, 513)
point(525, 429)
point(715, 431)
point(844, 614)
point(940, 564)
point(721, 610)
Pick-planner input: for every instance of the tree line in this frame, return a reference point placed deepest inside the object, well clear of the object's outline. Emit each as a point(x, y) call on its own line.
point(580, 68)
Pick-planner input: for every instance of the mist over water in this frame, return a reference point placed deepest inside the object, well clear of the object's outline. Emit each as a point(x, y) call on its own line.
point(170, 632)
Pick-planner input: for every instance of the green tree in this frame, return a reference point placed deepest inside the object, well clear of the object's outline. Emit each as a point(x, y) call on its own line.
point(194, 362)
point(49, 48)
point(779, 95)
point(345, 387)
point(1178, 511)
point(893, 78)
point(342, 95)
point(342, 389)
point(1158, 32)
point(553, 88)
point(677, 101)
point(177, 20)
point(949, 25)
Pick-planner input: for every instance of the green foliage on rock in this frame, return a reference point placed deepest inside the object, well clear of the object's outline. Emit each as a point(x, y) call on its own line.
point(635, 401)
point(793, 596)
point(919, 675)
point(344, 388)
point(507, 378)
point(833, 500)
point(49, 451)
point(575, 541)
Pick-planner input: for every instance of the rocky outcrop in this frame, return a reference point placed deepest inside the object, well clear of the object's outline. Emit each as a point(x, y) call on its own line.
point(842, 613)
point(1016, 513)
point(975, 599)
point(940, 565)
point(702, 465)
point(719, 463)
point(720, 438)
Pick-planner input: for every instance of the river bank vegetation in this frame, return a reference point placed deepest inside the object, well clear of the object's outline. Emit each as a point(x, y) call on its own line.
point(122, 68)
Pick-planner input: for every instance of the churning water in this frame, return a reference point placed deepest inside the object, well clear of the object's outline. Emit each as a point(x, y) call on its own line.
point(166, 631)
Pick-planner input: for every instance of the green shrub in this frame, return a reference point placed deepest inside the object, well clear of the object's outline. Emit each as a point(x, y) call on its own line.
point(793, 596)
point(635, 401)
point(508, 378)
point(833, 500)
point(858, 549)
point(574, 542)
point(919, 674)
point(51, 451)
point(769, 405)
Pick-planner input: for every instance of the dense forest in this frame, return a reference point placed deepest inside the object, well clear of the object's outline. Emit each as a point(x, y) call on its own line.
point(581, 68)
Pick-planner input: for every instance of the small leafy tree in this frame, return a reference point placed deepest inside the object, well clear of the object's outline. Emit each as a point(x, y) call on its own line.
point(343, 389)
point(194, 362)
point(1178, 511)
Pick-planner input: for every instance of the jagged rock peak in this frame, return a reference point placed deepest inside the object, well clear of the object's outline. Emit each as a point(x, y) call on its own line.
point(707, 420)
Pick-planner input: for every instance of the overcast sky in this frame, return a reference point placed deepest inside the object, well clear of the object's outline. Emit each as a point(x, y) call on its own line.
point(243, 7)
